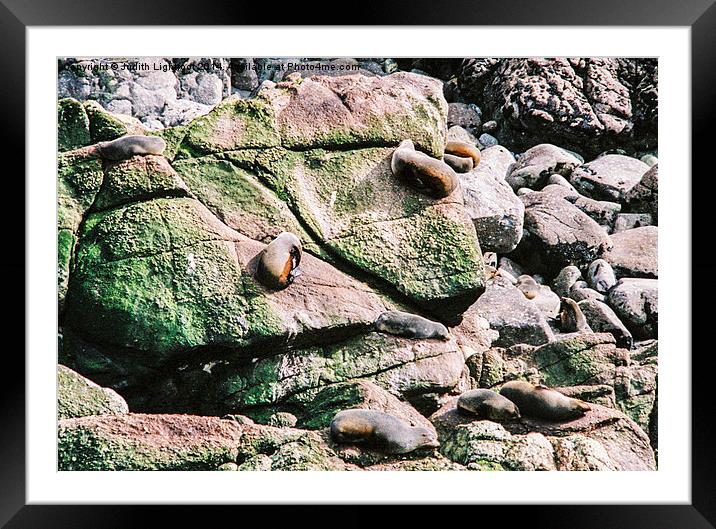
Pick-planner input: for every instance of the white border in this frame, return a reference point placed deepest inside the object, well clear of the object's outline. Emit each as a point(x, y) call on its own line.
point(671, 483)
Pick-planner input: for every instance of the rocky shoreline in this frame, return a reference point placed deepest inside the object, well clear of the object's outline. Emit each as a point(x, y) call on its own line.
point(201, 367)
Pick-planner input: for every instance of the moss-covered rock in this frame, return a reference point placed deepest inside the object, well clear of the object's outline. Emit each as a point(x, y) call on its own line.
point(359, 111)
point(426, 249)
point(237, 197)
point(165, 275)
point(173, 137)
point(401, 366)
point(269, 448)
point(80, 397)
point(319, 411)
point(583, 359)
point(139, 178)
point(604, 439)
point(103, 125)
point(233, 124)
point(73, 126)
point(79, 179)
point(147, 442)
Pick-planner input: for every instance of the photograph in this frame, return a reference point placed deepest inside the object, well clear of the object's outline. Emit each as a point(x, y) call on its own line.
point(357, 263)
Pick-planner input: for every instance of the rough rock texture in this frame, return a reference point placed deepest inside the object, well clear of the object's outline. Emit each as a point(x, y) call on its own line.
point(601, 318)
point(604, 439)
point(79, 397)
point(537, 164)
point(168, 92)
point(72, 125)
point(644, 196)
point(588, 105)
point(78, 180)
point(498, 214)
point(147, 442)
point(157, 257)
point(357, 394)
point(609, 177)
point(334, 174)
point(602, 212)
point(635, 252)
point(628, 221)
point(636, 301)
point(512, 315)
point(291, 380)
point(558, 234)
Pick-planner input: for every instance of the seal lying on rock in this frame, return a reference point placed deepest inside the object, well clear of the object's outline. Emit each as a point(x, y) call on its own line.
point(410, 325)
point(458, 163)
point(542, 402)
point(380, 430)
point(278, 262)
point(433, 177)
point(488, 404)
point(463, 150)
point(127, 146)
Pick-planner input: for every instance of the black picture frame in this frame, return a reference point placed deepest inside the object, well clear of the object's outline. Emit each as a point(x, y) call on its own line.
point(16, 15)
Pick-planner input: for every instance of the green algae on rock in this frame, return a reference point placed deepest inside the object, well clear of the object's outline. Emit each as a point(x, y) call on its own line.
point(103, 125)
point(233, 124)
point(426, 249)
point(237, 197)
point(73, 126)
point(146, 442)
point(138, 178)
point(80, 397)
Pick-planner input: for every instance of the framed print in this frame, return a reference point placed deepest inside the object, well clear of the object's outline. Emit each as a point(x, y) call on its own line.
point(359, 265)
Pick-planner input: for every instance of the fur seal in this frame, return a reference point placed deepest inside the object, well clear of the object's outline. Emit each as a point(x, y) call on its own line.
point(380, 430)
point(488, 404)
point(278, 262)
point(127, 146)
point(528, 286)
point(410, 325)
point(600, 275)
point(463, 150)
point(571, 317)
point(433, 177)
point(542, 402)
point(458, 164)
